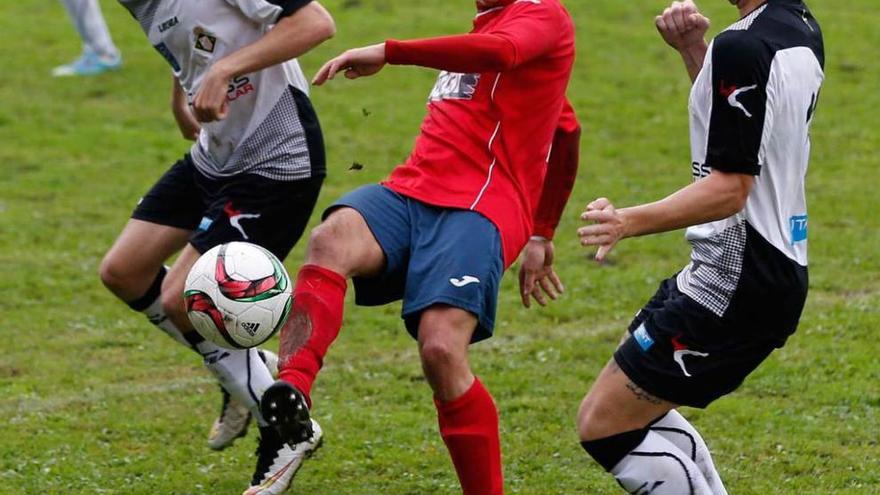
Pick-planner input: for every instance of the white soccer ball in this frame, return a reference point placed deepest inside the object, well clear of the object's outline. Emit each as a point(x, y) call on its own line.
point(238, 295)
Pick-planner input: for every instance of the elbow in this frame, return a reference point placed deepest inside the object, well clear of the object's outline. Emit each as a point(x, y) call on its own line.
point(728, 192)
point(737, 196)
point(328, 29)
point(325, 29)
point(317, 21)
point(739, 200)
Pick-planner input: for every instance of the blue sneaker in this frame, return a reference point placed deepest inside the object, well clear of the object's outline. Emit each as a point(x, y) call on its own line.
point(89, 64)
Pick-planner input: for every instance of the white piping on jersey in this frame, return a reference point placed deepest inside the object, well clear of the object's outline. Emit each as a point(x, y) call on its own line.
point(495, 85)
point(493, 9)
point(491, 168)
point(746, 22)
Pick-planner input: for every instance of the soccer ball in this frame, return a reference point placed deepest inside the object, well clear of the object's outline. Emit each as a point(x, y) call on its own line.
point(237, 295)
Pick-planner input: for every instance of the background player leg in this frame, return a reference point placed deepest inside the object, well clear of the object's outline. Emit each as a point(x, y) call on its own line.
point(466, 412)
point(99, 52)
point(133, 270)
point(613, 423)
point(241, 371)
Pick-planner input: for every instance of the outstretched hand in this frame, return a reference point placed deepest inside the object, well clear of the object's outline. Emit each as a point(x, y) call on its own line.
point(357, 62)
point(682, 25)
point(606, 230)
point(536, 274)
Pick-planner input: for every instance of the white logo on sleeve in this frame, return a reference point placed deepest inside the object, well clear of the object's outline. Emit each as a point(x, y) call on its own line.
point(465, 280)
point(732, 92)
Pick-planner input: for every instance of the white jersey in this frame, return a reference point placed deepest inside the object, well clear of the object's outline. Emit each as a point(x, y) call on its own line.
point(271, 129)
point(750, 112)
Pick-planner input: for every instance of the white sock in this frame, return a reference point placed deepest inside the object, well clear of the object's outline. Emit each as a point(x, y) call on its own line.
point(675, 428)
point(658, 467)
point(157, 317)
point(241, 372)
point(89, 22)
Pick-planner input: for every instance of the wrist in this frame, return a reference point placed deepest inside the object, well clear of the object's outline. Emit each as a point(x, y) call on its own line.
point(223, 69)
point(543, 232)
point(695, 50)
point(627, 228)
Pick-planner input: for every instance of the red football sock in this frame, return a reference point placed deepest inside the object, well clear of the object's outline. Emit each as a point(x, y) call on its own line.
point(469, 427)
point(319, 296)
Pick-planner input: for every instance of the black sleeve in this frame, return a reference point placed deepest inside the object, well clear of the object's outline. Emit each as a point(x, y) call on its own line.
point(740, 68)
point(289, 7)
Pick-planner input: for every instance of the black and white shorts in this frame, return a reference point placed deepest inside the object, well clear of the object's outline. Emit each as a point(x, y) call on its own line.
point(683, 353)
point(246, 207)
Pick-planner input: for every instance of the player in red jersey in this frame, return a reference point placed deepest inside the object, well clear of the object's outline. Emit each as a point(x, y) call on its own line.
point(439, 232)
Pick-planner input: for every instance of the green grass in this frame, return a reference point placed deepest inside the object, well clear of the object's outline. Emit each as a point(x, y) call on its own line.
point(94, 400)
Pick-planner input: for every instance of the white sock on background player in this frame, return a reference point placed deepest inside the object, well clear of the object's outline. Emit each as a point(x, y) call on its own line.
point(241, 372)
point(92, 28)
point(675, 428)
point(658, 467)
point(158, 318)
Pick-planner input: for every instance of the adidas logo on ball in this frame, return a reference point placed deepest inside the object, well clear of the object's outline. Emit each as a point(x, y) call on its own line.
point(250, 327)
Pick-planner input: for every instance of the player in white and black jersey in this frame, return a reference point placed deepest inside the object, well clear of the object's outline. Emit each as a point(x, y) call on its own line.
point(253, 175)
point(756, 86)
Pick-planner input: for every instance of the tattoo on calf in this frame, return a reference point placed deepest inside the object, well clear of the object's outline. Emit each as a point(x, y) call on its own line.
point(641, 394)
point(294, 335)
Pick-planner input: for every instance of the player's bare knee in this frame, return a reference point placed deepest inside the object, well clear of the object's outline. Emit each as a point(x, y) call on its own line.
point(324, 245)
point(115, 276)
point(340, 243)
point(593, 421)
point(438, 353)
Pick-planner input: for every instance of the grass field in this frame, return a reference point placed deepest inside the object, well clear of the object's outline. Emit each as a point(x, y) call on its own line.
point(95, 400)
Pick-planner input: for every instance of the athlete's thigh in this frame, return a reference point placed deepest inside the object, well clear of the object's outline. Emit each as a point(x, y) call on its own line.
point(374, 222)
point(142, 247)
point(615, 404)
point(345, 243)
point(176, 278)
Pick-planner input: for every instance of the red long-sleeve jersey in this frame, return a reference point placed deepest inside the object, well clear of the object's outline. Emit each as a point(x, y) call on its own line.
point(495, 112)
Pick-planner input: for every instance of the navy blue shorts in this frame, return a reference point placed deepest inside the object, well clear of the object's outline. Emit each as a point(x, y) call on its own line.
point(433, 256)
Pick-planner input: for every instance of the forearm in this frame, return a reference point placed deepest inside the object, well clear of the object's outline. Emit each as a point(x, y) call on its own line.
point(459, 53)
point(290, 38)
point(178, 95)
point(707, 200)
point(559, 182)
point(693, 58)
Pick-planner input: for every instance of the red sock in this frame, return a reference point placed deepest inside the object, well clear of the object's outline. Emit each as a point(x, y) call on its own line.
point(319, 296)
point(469, 427)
